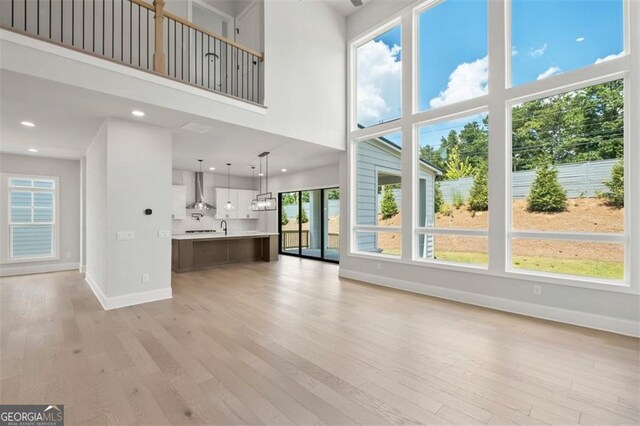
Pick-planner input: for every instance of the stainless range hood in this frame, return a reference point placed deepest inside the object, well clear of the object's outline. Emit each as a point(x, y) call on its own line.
point(199, 204)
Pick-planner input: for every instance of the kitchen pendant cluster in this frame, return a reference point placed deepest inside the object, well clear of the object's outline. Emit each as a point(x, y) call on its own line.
point(263, 201)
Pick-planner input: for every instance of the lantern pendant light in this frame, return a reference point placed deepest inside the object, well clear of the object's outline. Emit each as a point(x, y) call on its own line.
point(264, 201)
point(228, 206)
point(254, 202)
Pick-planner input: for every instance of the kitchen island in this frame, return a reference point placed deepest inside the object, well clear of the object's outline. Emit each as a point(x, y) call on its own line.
point(190, 252)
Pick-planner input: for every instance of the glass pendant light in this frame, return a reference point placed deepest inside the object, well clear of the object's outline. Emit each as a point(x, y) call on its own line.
point(254, 202)
point(228, 206)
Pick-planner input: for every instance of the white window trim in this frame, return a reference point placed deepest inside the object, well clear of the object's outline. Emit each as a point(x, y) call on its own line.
point(6, 193)
point(501, 97)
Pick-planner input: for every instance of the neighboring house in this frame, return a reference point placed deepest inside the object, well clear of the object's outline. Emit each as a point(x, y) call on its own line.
point(379, 165)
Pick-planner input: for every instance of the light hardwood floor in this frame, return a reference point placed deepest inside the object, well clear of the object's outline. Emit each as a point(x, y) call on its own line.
point(289, 342)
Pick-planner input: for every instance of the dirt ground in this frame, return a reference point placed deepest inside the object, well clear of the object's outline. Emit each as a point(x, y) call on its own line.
point(583, 214)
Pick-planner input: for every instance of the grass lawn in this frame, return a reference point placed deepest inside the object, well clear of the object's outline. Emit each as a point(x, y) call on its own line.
point(591, 268)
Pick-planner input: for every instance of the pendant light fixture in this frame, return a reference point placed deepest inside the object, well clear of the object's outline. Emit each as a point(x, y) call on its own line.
point(229, 206)
point(254, 203)
point(264, 201)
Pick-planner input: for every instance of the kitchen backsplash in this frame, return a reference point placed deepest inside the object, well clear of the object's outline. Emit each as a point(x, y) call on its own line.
point(208, 221)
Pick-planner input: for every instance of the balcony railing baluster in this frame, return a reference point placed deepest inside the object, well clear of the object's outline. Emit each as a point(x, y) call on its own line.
point(231, 69)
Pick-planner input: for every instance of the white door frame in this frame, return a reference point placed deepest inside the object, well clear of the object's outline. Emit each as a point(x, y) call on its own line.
point(230, 20)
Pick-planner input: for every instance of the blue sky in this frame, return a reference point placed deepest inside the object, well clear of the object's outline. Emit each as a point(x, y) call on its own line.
point(548, 37)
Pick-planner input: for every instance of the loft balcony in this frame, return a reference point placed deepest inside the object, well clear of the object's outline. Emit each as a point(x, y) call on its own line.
point(144, 36)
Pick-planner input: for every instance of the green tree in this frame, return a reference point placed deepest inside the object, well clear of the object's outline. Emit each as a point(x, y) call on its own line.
point(438, 198)
point(479, 194)
point(284, 219)
point(290, 198)
point(615, 196)
point(389, 207)
point(304, 218)
point(334, 194)
point(457, 167)
point(547, 195)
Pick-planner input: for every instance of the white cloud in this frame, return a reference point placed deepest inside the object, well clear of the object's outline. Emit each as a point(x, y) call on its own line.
point(467, 81)
point(549, 72)
point(580, 39)
point(379, 77)
point(514, 51)
point(536, 53)
point(609, 57)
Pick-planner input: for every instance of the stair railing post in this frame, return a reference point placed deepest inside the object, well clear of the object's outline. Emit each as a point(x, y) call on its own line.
point(158, 54)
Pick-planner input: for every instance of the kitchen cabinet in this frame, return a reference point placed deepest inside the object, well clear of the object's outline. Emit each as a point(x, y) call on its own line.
point(179, 204)
point(241, 200)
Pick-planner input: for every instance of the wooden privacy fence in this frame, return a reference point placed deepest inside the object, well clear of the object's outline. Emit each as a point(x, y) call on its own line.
point(290, 239)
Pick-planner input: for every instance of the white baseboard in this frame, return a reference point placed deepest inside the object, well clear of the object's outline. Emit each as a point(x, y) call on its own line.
point(116, 302)
point(93, 285)
point(138, 298)
point(584, 319)
point(7, 270)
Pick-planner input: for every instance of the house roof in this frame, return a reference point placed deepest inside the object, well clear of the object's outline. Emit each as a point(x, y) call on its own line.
point(398, 148)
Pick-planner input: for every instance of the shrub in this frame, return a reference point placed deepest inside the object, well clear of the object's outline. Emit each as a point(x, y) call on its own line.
point(389, 207)
point(284, 219)
point(547, 195)
point(438, 201)
point(458, 200)
point(479, 194)
point(304, 219)
point(615, 196)
point(446, 209)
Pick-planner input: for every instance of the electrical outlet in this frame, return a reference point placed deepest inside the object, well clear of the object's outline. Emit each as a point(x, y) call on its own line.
point(537, 289)
point(145, 278)
point(379, 266)
point(163, 233)
point(68, 255)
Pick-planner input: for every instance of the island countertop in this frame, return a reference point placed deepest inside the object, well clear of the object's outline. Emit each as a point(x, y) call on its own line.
point(220, 235)
point(195, 251)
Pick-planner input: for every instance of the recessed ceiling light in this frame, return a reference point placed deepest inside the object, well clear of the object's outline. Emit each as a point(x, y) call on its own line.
point(28, 124)
point(137, 113)
point(212, 168)
point(32, 150)
point(284, 170)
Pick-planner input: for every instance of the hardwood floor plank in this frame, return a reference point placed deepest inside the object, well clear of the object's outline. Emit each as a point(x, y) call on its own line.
point(290, 342)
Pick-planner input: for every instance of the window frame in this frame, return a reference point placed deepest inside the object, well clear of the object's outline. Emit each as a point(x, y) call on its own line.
point(55, 224)
point(497, 103)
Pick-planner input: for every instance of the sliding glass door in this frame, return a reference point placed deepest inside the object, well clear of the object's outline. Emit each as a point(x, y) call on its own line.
point(309, 223)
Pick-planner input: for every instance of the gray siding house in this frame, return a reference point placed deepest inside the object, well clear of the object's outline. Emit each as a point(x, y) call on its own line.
point(378, 164)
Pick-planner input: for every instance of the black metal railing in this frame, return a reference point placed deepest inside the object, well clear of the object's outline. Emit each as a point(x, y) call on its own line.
point(145, 36)
point(213, 62)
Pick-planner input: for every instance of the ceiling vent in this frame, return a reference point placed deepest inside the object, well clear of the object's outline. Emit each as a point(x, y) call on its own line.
point(195, 127)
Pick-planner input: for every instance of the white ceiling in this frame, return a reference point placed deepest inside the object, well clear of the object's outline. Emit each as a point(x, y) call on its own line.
point(344, 7)
point(67, 118)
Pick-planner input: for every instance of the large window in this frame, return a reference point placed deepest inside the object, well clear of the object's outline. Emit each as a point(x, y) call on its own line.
point(520, 145)
point(31, 218)
point(567, 182)
point(453, 203)
point(455, 70)
point(551, 37)
point(379, 79)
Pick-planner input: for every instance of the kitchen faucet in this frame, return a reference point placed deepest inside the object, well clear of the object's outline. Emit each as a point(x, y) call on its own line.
point(224, 222)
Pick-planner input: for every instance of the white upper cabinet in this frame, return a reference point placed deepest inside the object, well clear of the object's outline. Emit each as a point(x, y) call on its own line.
point(241, 200)
point(179, 205)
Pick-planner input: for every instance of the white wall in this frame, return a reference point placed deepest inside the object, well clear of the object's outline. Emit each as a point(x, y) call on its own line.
point(68, 172)
point(305, 71)
point(96, 210)
point(135, 175)
point(321, 177)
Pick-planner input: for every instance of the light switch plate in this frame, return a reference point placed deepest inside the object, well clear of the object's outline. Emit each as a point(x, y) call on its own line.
point(124, 235)
point(163, 233)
